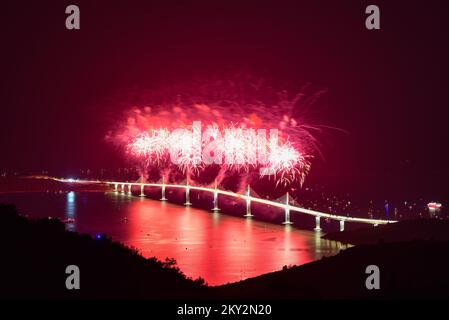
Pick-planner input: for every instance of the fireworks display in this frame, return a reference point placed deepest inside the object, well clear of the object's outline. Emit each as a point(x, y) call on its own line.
point(240, 126)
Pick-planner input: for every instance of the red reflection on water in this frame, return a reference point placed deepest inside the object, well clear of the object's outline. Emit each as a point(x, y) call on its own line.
point(217, 247)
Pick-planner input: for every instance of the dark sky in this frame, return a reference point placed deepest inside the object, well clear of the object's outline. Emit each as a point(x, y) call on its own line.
point(387, 88)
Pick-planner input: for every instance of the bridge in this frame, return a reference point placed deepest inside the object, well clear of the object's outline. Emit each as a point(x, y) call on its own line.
point(126, 188)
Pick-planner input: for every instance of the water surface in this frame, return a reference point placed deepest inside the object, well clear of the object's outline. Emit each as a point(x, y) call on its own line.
point(217, 247)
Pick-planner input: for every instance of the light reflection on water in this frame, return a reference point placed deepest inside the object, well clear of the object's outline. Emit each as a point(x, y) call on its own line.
point(219, 248)
point(70, 210)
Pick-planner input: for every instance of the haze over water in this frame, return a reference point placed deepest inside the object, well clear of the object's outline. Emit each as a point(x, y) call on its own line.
point(217, 247)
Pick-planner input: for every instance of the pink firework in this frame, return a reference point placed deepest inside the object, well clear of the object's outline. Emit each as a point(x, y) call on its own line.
point(150, 146)
point(185, 150)
point(287, 164)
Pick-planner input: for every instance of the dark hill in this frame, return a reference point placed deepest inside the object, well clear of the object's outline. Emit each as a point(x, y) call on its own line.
point(416, 269)
point(407, 230)
point(35, 254)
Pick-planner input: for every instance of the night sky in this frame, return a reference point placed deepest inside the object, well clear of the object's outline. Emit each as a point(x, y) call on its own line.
point(61, 90)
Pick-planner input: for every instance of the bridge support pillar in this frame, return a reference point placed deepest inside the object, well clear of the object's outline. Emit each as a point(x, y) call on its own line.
point(187, 203)
point(142, 193)
point(163, 198)
point(129, 189)
point(342, 225)
point(123, 188)
point(287, 211)
point(317, 224)
point(115, 187)
point(248, 213)
point(248, 204)
point(216, 208)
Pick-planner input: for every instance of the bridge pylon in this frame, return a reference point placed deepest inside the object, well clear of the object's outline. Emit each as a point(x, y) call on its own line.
point(287, 211)
point(215, 208)
point(317, 224)
point(248, 203)
point(187, 203)
point(163, 198)
point(342, 225)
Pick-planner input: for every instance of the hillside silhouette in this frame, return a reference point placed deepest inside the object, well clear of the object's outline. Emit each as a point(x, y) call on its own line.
point(35, 254)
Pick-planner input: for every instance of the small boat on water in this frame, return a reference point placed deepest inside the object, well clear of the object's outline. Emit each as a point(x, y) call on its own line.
point(68, 220)
point(434, 205)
